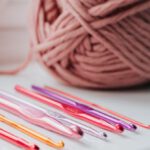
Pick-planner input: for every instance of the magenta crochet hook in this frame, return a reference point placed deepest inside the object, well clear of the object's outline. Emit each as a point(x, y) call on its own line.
point(89, 110)
point(37, 116)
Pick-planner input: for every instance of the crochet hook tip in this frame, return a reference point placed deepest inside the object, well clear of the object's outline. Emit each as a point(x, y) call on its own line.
point(134, 127)
point(58, 145)
point(102, 136)
point(105, 135)
point(61, 144)
point(119, 128)
point(34, 147)
point(77, 129)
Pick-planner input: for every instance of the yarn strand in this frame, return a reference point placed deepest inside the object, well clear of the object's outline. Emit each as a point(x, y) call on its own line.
point(20, 67)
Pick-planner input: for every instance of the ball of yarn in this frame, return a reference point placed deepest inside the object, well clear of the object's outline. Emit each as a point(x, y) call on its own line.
point(93, 43)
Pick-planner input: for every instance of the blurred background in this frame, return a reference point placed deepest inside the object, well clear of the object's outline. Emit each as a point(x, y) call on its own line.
point(14, 37)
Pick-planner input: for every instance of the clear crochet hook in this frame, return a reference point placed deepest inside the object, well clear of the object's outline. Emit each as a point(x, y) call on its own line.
point(31, 133)
point(99, 107)
point(85, 108)
point(70, 110)
point(7, 136)
point(67, 121)
point(37, 116)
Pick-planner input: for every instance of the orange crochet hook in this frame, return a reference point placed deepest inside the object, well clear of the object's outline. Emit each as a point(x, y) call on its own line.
point(31, 133)
point(100, 107)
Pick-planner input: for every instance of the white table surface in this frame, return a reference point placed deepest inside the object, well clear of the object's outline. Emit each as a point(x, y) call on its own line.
point(134, 103)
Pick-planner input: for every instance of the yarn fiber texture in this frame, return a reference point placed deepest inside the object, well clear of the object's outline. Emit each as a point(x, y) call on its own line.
point(93, 43)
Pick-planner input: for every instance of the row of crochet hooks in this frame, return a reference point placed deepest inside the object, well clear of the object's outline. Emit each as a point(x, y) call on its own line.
point(56, 122)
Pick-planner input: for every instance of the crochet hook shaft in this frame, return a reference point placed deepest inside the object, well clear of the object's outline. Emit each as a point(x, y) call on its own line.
point(17, 140)
point(36, 116)
point(89, 110)
point(71, 110)
point(31, 133)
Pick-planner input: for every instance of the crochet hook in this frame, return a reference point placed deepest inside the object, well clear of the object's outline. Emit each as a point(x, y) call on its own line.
point(31, 133)
point(37, 116)
point(5, 135)
point(88, 130)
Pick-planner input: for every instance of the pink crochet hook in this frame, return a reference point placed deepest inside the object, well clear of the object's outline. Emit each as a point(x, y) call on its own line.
point(37, 116)
point(17, 140)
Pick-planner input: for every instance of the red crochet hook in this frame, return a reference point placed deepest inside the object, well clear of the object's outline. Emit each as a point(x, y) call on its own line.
point(71, 111)
point(17, 140)
point(100, 107)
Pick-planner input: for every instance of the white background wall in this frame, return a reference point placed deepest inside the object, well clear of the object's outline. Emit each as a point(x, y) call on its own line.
point(14, 41)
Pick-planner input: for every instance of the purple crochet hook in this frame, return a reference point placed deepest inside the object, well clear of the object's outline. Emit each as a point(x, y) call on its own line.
point(89, 110)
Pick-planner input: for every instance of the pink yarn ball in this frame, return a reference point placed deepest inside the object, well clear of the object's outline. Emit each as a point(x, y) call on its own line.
point(93, 43)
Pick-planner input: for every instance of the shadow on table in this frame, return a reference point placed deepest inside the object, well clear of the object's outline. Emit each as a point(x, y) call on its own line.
point(144, 87)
